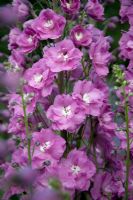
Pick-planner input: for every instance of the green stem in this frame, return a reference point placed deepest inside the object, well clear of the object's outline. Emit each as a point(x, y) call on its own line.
point(128, 145)
point(27, 129)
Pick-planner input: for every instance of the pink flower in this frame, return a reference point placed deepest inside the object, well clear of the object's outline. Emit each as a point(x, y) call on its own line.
point(65, 114)
point(41, 161)
point(21, 8)
point(70, 7)
point(76, 171)
point(63, 57)
point(16, 126)
point(27, 40)
point(13, 35)
point(81, 36)
point(30, 99)
point(17, 60)
point(100, 56)
point(95, 10)
point(126, 44)
point(88, 97)
point(47, 142)
point(125, 7)
point(49, 25)
point(106, 118)
point(40, 78)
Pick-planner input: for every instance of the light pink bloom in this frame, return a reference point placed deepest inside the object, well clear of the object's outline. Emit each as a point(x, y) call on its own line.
point(40, 78)
point(88, 97)
point(63, 57)
point(49, 25)
point(76, 171)
point(65, 113)
point(48, 142)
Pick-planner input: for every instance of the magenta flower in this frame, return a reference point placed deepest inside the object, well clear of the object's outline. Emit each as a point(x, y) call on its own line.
point(70, 7)
point(17, 60)
point(13, 35)
point(40, 78)
point(16, 126)
point(7, 16)
point(126, 6)
point(107, 186)
point(126, 44)
point(27, 40)
point(48, 194)
point(88, 97)
point(106, 118)
point(95, 32)
point(76, 171)
point(21, 8)
point(100, 56)
point(47, 142)
point(15, 103)
point(65, 113)
point(43, 161)
point(95, 10)
point(49, 25)
point(63, 57)
point(81, 36)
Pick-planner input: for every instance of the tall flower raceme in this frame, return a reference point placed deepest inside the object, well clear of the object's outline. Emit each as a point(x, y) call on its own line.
point(71, 125)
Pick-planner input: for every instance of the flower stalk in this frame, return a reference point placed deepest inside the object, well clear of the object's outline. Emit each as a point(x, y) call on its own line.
point(128, 145)
point(27, 129)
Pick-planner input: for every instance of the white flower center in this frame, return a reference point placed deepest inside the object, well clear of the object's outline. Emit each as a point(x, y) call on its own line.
point(66, 111)
point(130, 44)
point(78, 36)
point(75, 169)
point(38, 78)
point(28, 97)
point(86, 98)
point(131, 82)
point(68, 5)
point(30, 39)
point(48, 23)
point(45, 146)
point(64, 56)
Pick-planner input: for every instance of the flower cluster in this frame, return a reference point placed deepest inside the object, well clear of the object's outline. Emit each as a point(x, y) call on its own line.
point(70, 128)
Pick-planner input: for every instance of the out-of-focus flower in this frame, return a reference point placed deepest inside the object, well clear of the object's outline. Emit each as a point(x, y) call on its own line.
point(48, 194)
point(13, 35)
point(21, 8)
